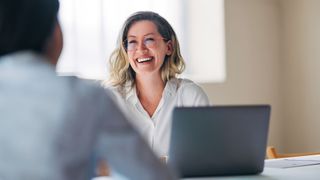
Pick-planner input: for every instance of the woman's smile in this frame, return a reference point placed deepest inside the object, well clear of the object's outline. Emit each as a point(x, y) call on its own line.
point(143, 60)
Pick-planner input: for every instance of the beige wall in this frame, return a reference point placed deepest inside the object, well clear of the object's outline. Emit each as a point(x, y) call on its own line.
point(273, 57)
point(252, 47)
point(301, 74)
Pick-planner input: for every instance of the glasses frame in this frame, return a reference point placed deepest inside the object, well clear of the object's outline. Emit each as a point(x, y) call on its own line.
point(125, 43)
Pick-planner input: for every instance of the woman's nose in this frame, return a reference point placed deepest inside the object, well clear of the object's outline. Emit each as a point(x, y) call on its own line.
point(141, 47)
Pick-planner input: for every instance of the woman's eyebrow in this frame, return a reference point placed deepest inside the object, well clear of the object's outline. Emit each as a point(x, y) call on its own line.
point(148, 34)
point(131, 36)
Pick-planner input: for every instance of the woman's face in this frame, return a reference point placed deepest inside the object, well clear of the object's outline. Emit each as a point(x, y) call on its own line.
point(146, 48)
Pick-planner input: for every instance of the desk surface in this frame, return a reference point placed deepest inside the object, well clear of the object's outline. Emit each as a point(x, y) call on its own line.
point(297, 173)
point(310, 172)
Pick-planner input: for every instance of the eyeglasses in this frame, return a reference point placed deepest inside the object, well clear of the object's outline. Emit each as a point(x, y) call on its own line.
point(150, 42)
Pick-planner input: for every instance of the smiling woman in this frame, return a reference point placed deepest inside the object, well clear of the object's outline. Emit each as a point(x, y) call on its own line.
point(143, 75)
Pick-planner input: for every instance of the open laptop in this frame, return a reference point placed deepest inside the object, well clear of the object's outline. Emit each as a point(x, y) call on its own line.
point(219, 140)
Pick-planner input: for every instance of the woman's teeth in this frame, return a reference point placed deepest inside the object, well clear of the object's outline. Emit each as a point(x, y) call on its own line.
point(143, 59)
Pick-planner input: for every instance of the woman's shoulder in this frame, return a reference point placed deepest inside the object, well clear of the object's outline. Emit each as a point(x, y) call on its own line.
point(190, 93)
point(120, 91)
point(109, 88)
point(184, 84)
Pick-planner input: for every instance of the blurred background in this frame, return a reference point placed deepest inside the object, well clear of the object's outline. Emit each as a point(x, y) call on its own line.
point(239, 51)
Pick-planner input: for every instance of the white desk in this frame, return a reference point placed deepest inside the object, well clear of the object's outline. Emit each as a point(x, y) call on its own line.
point(310, 172)
point(297, 173)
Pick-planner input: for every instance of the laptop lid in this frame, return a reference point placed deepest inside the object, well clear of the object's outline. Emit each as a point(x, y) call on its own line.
point(219, 140)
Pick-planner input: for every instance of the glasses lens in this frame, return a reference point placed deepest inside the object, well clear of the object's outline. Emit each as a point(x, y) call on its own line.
point(149, 43)
point(131, 46)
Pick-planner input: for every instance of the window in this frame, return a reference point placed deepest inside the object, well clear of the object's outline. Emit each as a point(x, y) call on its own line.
point(91, 29)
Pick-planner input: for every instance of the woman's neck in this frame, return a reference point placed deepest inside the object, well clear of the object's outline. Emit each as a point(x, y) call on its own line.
point(149, 91)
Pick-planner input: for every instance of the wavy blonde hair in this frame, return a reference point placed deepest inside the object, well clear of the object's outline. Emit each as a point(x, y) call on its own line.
point(120, 70)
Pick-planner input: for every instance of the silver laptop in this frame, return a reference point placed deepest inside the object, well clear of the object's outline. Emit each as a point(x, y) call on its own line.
point(219, 140)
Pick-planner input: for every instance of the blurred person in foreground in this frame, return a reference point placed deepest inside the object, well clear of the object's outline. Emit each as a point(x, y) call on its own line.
point(51, 125)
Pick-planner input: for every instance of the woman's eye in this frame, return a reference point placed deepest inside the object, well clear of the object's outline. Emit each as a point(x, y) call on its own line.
point(132, 42)
point(149, 41)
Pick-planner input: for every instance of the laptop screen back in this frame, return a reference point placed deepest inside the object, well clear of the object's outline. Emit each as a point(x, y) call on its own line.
point(219, 140)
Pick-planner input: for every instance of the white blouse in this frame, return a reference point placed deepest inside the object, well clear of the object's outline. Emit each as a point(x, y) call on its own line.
point(156, 129)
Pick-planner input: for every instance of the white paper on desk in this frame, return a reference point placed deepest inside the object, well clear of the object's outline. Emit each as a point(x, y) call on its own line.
point(290, 163)
point(307, 158)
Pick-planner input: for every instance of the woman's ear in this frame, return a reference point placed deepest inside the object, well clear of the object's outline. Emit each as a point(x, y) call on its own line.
point(54, 45)
point(169, 48)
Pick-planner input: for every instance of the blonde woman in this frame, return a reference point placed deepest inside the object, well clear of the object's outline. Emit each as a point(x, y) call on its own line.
point(144, 69)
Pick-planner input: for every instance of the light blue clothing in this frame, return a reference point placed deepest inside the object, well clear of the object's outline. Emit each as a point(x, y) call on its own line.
point(50, 125)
